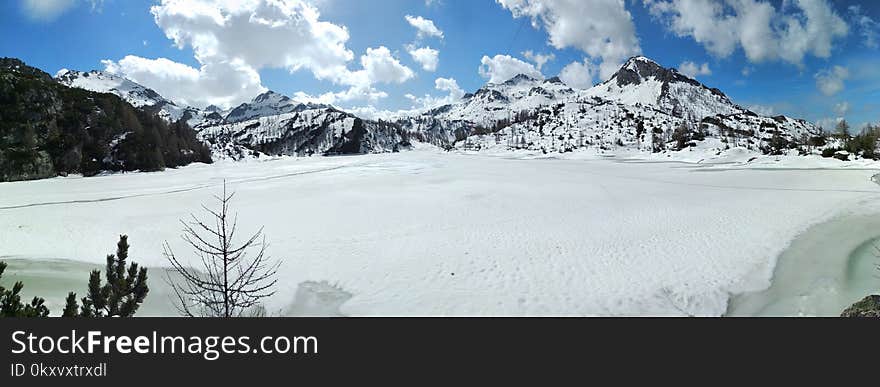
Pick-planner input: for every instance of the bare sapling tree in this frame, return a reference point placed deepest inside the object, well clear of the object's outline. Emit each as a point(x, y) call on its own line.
point(233, 278)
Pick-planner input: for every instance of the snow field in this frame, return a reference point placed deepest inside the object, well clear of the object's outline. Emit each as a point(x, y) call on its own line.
point(429, 233)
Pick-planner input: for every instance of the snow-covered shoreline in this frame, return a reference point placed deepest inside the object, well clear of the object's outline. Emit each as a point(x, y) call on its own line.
point(431, 233)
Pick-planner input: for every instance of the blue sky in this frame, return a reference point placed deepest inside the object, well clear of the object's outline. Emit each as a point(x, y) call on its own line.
point(817, 83)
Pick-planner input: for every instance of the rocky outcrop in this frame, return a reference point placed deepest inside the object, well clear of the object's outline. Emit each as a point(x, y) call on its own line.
point(867, 307)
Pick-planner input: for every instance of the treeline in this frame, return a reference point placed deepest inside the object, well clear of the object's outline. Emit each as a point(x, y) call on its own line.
point(48, 129)
point(863, 144)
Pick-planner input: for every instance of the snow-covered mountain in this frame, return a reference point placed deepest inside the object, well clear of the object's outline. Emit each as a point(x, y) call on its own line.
point(267, 104)
point(642, 81)
point(640, 108)
point(133, 93)
point(644, 106)
point(269, 124)
point(301, 129)
point(495, 102)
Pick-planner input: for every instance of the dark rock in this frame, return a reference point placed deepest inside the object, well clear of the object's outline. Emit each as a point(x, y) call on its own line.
point(867, 307)
point(518, 79)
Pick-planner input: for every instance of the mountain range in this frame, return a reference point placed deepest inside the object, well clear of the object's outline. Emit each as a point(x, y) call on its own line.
point(643, 106)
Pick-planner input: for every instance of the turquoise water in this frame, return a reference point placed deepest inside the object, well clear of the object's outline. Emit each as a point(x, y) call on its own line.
point(825, 270)
point(53, 279)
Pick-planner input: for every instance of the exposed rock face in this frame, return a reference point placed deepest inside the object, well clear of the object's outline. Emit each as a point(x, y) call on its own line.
point(642, 81)
point(640, 68)
point(867, 307)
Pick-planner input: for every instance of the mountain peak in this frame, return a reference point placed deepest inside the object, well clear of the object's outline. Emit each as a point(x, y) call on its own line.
point(640, 58)
point(271, 97)
point(519, 78)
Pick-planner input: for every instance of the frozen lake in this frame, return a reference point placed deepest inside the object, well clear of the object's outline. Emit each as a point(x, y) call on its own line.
point(429, 233)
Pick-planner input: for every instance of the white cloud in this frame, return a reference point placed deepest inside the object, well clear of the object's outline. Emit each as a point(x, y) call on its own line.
point(425, 27)
point(500, 68)
point(448, 85)
point(868, 28)
point(235, 39)
point(419, 104)
point(45, 10)
point(762, 110)
point(831, 81)
point(578, 75)
point(603, 29)
point(380, 66)
point(427, 57)
point(694, 70)
point(798, 28)
point(538, 59)
point(841, 109)
point(221, 84)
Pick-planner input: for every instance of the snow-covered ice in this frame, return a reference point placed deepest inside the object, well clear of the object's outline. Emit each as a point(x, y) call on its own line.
point(432, 233)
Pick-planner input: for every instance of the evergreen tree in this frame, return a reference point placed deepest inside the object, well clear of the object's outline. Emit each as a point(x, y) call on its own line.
point(682, 136)
point(125, 290)
point(11, 305)
point(70, 306)
point(843, 129)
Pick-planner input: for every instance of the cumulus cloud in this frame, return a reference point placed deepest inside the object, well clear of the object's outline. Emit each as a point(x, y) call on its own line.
point(868, 27)
point(447, 85)
point(500, 68)
point(538, 59)
point(831, 81)
point(234, 40)
point(221, 84)
point(694, 70)
point(425, 27)
point(798, 28)
point(380, 66)
point(578, 75)
point(45, 10)
point(427, 57)
point(603, 29)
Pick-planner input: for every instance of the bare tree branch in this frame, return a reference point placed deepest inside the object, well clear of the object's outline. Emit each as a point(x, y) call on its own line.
point(232, 281)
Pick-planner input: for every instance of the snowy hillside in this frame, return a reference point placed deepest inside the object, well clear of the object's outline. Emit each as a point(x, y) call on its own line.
point(643, 107)
point(267, 104)
point(133, 93)
point(302, 130)
point(642, 81)
point(498, 102)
